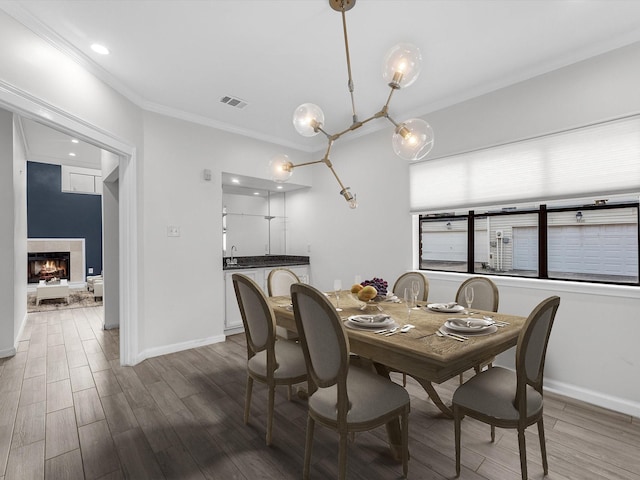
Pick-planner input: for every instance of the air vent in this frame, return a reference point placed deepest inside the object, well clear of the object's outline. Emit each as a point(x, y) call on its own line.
point(234, 102)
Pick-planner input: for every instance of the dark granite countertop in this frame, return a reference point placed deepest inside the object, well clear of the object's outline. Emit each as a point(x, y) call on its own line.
point(265, 261)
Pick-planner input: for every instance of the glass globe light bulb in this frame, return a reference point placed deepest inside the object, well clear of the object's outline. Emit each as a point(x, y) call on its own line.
point(402, 65)
point(280, 168)
point(307, 118)
point(353, 203)
point(413, 139)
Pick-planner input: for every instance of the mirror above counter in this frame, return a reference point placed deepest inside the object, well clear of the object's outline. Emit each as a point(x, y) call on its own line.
point(254, 216)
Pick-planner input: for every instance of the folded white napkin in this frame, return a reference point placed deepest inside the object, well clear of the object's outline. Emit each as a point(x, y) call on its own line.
point(471, 322)
point(369, 318)
point(444, 306)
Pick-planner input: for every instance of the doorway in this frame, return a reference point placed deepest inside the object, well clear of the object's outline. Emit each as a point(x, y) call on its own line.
point(121, 210)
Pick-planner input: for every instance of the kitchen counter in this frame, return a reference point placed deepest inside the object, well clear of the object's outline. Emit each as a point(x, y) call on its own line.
point(264, 261)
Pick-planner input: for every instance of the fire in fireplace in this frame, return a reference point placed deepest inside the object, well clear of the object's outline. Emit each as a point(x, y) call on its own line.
point(47, 266)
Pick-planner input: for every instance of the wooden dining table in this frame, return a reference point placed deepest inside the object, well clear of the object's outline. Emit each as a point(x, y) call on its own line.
point(420, 352)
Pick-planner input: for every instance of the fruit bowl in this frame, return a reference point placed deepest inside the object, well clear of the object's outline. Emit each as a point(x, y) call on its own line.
point(369, 292)
point(364, 304)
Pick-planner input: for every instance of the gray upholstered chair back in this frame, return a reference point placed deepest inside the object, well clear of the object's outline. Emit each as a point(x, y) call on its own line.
point(324, 341)
point(280, 280)
point(532, 344)
point(257, 315)
point(405, 280)
point(485, 294)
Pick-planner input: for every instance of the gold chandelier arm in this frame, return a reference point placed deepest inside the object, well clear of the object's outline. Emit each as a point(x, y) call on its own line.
point(388, 117)
point(342, 187)
point(386, 105)
point(346, 48)
point(307, 163)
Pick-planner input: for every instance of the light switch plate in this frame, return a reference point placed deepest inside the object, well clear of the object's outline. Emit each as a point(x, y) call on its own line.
point(173, 231)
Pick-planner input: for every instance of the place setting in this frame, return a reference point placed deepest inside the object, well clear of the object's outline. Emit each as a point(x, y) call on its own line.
point(462, 329)
point(371, 323)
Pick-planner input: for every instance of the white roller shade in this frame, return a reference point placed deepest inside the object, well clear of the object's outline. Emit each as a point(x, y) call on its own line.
point(598, 160)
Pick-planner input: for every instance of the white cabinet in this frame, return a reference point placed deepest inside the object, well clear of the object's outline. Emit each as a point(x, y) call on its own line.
point(233, 319)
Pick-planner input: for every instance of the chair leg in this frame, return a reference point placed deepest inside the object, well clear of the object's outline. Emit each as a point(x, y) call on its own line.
point(247, 399)
point(405, 443)
point(272, 394)
point(461, 381)
point(543, 447)
point(342, 456)
point(523, 453)
point(493, 433)
point(456, 428)
point(404, 379)
point(307, 448)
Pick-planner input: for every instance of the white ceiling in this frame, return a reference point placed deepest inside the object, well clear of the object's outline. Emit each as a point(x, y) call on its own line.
point(180, 57)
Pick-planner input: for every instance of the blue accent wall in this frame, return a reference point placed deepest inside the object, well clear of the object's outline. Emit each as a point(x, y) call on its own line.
point(54, 214)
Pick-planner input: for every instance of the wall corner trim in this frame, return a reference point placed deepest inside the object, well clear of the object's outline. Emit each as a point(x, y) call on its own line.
point(177, 347)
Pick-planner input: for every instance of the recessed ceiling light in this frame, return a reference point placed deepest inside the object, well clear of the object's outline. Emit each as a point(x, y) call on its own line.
point(101, 49)
point(256, 193)
point(72, 154)
point(279, 187)
point(74, 140)
point(235, 180)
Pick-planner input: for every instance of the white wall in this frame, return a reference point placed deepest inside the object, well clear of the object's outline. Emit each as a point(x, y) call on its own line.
point(7, 255)
point(19, 232)
point(183, 291)
point(110, 240)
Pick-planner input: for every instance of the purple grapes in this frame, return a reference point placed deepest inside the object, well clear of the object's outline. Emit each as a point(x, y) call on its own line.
point(378, 283)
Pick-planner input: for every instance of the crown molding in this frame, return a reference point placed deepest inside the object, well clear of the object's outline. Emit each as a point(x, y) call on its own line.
point(208, 122)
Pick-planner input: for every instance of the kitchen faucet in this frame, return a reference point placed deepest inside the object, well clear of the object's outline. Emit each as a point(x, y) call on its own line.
point(232, 261)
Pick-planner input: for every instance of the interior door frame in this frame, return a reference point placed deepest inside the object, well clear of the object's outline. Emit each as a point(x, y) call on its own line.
point(22, 103)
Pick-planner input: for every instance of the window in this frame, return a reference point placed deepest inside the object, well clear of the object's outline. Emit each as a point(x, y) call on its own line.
point(595, 243)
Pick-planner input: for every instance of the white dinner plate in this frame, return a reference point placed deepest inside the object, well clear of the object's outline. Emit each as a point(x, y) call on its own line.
point(485, 331)
point(468, 325)
point(370, 321)
point(363, 326)
point(445, 307)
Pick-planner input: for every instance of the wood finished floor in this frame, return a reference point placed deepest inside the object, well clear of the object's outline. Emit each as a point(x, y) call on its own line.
point(68, 410)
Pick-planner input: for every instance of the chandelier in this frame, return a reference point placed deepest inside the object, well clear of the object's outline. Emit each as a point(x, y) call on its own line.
point(412, 139)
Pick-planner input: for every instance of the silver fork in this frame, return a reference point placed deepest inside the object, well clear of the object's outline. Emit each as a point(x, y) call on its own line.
point(440, 334)
point(386, 331)
point(404, 329)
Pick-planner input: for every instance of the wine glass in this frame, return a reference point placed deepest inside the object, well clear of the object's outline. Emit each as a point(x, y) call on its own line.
point(407, 301)
point(415, 290)
point(468, 297)
point(337, 286)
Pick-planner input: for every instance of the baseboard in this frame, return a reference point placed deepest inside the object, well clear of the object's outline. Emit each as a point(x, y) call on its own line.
point(8, 352)
point(177, 347)
point(599, 399)
point(20, 331)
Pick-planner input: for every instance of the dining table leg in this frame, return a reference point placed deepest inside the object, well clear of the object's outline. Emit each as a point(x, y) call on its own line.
point(433, 395)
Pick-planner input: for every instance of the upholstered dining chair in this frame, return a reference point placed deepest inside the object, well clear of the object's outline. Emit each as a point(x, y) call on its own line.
point(485, 297)
point(279, 282)
point(406, 279)
point(270, 361)
point(507, 399)
point(485, 293)
point(342, 397)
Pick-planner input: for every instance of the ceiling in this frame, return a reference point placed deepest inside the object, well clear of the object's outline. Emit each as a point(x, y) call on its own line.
point(181, 57)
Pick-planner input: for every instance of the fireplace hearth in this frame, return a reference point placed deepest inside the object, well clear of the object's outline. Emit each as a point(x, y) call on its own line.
point(48, 266)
